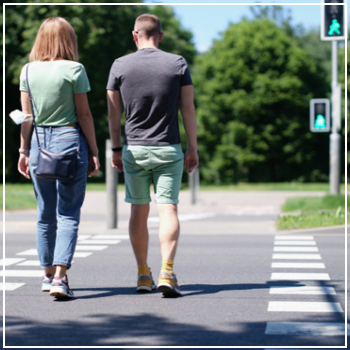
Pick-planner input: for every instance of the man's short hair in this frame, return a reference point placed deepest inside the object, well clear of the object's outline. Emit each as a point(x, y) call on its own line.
point(147, 25)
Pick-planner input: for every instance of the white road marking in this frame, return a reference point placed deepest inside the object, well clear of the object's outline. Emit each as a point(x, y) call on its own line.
point(302, 290)
point(29, 252)
point(10, 261)
point(91, 247)
point(295, 243)
point(305, 328)
point(298, 265)
point(185, 217)
point(111, 237)
point(29, 263)
point(297, 256)
point(11, 286)
point(250, 210)
point(299, 276)
point(296, 237)
point(303, 306)
point(22, 273)
point(295, 249)
point(82, 237)
point(81, 254)
point(101, 241)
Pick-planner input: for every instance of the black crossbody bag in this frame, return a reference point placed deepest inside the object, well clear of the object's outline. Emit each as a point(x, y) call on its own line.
point(53, 165)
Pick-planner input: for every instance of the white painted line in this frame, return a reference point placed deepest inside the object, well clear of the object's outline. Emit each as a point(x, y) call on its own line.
point(299, 276)
point(82, 254)
point(295, 249)
point(29, 252)
point(295, 243)
point(82, 237)
point(296, 237)
point(22, 273)
point(297, 256)
point(298, 265)
point(111, 237)
point(11, 286)
point(10, 261)
point(302, 290)
point(305, 328)
point(102, 241)
point(303, 306)
point(91, 247)
point(29, 263)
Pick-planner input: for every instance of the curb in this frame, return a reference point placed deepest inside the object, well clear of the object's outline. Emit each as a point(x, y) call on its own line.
point(327, 229)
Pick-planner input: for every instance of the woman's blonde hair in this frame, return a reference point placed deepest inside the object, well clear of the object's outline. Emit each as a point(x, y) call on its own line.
point(55, 39)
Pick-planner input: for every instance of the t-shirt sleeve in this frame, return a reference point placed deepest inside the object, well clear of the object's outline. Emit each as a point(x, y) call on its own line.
point(113, 78)
point(80, 80)
point(23, 80)
point(185, 74)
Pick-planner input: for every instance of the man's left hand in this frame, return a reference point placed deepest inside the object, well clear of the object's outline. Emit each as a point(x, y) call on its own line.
point(117, 162)
point(191, 160)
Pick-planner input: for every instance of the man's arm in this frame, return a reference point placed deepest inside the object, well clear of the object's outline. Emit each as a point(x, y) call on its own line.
point(190, 124)
point(114, 117)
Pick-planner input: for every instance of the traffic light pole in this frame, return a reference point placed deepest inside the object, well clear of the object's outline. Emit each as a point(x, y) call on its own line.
point(335, 138)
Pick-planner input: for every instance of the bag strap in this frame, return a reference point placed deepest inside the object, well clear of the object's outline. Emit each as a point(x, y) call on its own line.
point(31, 101)
point(31, 105)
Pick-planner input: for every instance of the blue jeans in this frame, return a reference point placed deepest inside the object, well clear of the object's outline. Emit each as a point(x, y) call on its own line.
point(59, 202)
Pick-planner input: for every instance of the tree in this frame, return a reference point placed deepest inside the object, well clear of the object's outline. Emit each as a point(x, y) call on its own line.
point(104, 34)
point(252, 92)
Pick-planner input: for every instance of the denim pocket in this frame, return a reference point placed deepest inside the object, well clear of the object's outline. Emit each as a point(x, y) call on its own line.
point(67, 146)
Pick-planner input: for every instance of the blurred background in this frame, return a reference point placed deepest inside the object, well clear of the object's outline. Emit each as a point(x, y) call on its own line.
point(254, 69)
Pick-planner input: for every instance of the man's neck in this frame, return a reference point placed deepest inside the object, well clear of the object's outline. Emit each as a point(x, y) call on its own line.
point(147, 45)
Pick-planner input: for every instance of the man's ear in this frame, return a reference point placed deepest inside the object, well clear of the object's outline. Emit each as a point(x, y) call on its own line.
point(160, 36)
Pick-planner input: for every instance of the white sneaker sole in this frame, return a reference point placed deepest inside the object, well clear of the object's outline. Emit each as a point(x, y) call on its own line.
point(61, 292)
point(167, 289)
point(145, 288)
point(46, 287)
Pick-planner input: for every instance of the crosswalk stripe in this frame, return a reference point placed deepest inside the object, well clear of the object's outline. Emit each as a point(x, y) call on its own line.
point(29, 263)
point(295, 243)
point(22, 273)
point(29, 252)
point(298, 265)
point(111, 237)
point(91, 247)
point(82, 254)
point(304, 306)
point(295, 249)
point(299, 276)
point(305, 328)
point(82, 237)
point(296, 237)
point(297, 256)
point(10, 261)
point(101, 241)
point(318, 290)
point(10, 286)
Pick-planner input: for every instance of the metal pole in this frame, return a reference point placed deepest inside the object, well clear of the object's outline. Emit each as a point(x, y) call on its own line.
point(111, 187)
point(194, 185)
point(334, 138)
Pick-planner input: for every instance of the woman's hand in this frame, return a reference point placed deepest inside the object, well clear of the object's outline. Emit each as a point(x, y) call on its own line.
point(23, 165)
point(94, 163)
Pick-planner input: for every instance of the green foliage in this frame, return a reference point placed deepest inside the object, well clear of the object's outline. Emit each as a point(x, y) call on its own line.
point(252, 93)
point(104, 34)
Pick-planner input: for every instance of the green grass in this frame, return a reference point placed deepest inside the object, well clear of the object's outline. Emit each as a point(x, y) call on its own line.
point(313, 212)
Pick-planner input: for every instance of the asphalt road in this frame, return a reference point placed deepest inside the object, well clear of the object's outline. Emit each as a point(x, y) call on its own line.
point(227, 281)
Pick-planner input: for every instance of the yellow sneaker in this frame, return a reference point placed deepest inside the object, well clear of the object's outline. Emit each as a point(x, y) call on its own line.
point(145, 283)
point(167, 284)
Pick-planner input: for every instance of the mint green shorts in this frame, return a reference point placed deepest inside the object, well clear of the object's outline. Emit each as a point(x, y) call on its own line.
point(162, 165)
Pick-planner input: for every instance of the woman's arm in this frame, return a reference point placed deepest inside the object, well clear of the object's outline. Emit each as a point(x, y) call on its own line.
point(26, 130)
point(87, 125)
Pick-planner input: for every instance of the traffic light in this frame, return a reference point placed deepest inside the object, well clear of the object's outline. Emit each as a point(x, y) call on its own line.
point(332, 22)
point(319, 115)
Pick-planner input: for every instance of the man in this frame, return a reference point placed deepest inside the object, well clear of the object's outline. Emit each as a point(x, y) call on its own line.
point(150, 83)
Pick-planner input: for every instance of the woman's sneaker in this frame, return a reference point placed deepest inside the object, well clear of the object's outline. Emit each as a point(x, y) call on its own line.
point(47, 281)
point(145, 283)
point(167, 284)
point(60, 288)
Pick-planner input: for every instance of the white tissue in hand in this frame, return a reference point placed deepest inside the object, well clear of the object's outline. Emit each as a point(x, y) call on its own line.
point(19, 117)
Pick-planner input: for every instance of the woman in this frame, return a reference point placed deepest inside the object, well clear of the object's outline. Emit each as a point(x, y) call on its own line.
point(58, 84)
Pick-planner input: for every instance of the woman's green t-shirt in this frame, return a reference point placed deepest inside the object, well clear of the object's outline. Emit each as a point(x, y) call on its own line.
point(53, 85)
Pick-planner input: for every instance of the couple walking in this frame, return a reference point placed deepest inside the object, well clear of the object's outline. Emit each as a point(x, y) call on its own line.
point(149, 84)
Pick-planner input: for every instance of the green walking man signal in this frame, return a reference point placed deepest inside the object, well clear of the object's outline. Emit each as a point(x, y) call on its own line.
point(319, 115)
point(332, 21)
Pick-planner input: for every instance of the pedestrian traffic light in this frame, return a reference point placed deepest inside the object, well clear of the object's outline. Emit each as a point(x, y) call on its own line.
point(319, 115)
point(332, 21)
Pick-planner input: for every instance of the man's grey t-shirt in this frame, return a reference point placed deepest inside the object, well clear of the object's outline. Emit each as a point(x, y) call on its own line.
point(150, 82)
